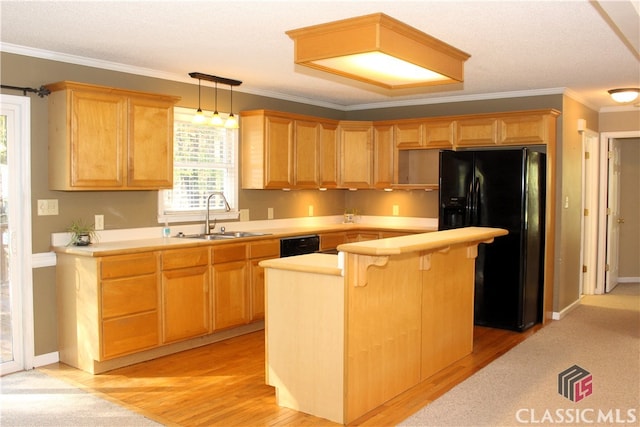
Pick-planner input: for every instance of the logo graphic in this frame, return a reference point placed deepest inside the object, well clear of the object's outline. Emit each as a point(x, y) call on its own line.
point(575, 383)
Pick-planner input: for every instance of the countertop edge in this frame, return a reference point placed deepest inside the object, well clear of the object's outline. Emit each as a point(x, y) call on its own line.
point(423, 242)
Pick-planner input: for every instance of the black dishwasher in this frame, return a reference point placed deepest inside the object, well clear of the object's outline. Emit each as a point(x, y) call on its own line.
point(299, 245)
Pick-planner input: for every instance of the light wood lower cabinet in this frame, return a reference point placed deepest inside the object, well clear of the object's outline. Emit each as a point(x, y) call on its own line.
point(129, 304)
point(186, 304)
point(259, 251)
point(230, 273)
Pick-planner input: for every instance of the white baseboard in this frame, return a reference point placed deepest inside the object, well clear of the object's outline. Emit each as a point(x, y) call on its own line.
point(628, 279)
point(46, 359)
point(559, 315)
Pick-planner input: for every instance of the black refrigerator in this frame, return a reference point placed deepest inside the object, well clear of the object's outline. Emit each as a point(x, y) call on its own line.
point(505, 189)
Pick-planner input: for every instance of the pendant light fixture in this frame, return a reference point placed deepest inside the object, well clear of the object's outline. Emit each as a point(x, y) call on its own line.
point(216, 120)
point(624, 95)
point(199, 117)
point(232, 122)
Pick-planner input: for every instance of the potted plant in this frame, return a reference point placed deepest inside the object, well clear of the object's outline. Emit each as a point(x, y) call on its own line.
point(82, 234)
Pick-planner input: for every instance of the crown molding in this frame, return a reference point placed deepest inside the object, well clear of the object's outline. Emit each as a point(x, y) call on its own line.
point(114, 66)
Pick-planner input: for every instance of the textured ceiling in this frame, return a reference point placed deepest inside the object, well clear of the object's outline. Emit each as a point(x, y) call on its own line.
point(516, 47)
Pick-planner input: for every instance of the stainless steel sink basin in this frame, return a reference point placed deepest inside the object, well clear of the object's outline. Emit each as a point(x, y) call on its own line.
point(224, 236)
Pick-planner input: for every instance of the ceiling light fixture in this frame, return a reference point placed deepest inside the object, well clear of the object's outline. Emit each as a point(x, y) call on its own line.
point(624, 95)
point(231, 122)
point(379, 50)
point(216, 120)
point(199, 117)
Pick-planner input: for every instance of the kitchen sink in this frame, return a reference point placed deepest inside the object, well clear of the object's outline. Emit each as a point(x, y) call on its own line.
point(225, 235)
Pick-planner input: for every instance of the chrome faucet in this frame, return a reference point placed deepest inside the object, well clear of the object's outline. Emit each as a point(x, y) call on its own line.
point(207, 226)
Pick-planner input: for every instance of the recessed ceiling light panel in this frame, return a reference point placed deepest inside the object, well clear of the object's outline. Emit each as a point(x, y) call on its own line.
point(380, 50)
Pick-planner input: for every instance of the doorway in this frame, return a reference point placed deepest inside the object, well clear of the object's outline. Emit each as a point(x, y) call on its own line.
point(610, 220)
point(16, 276)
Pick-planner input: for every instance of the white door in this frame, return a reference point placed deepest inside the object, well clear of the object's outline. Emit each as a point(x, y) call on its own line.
point(590, 213)
point(15, 234)
point(613, 216)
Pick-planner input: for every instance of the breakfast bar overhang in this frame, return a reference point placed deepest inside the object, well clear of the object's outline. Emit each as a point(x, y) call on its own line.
point(347, 332)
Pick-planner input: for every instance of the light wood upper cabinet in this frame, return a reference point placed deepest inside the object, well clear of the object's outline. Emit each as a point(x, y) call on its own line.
point(328, 155)
point(355, 141)
point(438, 134)
point(477, 132)
point(306, 151)
point(383, 166)
point(424, 133)
point(286, 151)
point(102, 138)
point(267, 149)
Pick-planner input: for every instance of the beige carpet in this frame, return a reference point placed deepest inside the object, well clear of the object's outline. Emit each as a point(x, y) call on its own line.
point(31, 398)
point(602, 336)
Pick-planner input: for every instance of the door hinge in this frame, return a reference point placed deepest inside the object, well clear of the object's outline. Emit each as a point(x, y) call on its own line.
point(587, 155)
point(608, 211)
point(609, 154)
point(586, 212)
point(584, 268)
point(606, 267)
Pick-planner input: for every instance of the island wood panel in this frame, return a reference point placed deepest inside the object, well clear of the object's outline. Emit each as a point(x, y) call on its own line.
point(447, 307)
point(304, 330)
point(383, 330)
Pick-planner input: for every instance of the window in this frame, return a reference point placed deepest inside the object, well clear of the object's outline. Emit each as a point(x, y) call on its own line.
point(205, 160)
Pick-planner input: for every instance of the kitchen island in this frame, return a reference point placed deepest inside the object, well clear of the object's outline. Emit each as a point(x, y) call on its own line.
point(347, 332)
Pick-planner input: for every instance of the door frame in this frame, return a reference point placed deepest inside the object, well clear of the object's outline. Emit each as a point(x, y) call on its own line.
point(602, 203)
point(21, 275)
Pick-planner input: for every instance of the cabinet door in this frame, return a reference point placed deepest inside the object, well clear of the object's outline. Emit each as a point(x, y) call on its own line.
point(305, 168)
point(523, 129)
point(278, 152)
point(185, 303)
point(97, 139)
point(383, 156)
point(356, 154)
point(231, 295)
point(438, 134)
point(330, 241)
point(476, 132)
point(409, 135)
point(328, 152)
point(150, 144)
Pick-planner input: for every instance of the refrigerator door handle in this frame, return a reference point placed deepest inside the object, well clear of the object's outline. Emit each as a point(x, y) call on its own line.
point(469, 205)
point(476, 200)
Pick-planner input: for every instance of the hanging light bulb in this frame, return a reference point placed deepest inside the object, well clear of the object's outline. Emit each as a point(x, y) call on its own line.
point(216, 120)
point(199, 117)
point(232, 122)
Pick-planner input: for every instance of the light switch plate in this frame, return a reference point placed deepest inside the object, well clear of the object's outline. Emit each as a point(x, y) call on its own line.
point(48, 207)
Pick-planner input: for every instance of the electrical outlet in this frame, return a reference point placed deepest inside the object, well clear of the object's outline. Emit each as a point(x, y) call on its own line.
point(396, 210)
point(269, 213)
point(98, 222)
point(310, 210)
point(244, 214)
point(48, 207)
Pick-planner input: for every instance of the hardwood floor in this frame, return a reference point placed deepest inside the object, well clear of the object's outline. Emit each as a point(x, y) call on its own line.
point(222, 384)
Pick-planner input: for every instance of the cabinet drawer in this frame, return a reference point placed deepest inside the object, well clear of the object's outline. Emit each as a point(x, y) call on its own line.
point(129, 296)
point(229, 252)
point(128, 334)
point(265, 248)
point(128, 265)
point(184, 258)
